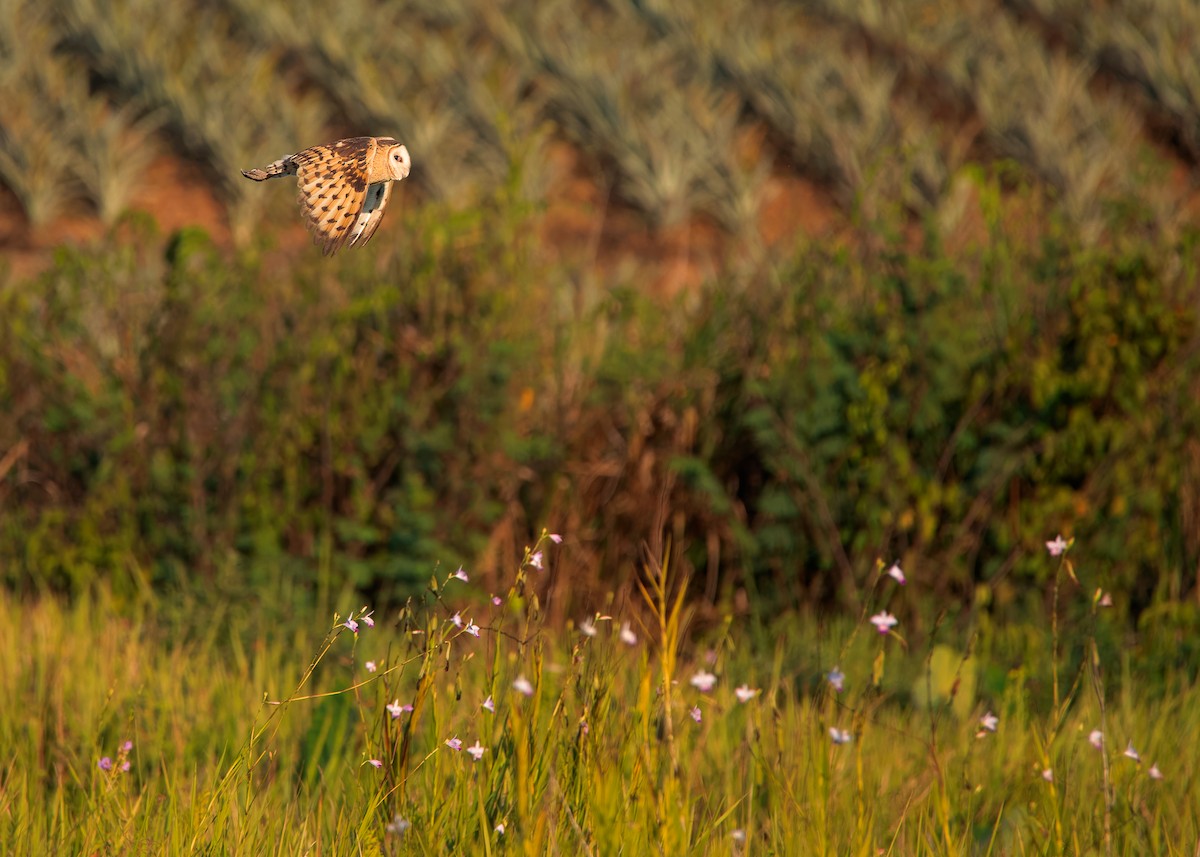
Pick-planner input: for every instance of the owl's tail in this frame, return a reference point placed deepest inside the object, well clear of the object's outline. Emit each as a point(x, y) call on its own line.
point(282, 167)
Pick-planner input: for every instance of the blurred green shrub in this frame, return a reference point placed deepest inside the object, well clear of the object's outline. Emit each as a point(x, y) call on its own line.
point(367, 420)
point(956, 419)
point(183, 413)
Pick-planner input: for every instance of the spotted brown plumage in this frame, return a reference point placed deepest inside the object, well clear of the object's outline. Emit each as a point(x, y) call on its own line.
point(344, 186)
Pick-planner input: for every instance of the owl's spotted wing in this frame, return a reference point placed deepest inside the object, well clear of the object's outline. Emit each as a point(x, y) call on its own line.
point(333, 186)
point(369, 218)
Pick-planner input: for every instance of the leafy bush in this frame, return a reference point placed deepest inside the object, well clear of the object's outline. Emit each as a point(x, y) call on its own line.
point(183, 411)
point(799, 422)
point(949, 413)
point(955, 419)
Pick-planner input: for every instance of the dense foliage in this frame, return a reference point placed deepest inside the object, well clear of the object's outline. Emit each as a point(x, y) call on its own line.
point(171, 416)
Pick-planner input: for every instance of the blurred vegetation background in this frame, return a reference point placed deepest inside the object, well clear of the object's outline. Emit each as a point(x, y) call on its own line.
point(830, 282)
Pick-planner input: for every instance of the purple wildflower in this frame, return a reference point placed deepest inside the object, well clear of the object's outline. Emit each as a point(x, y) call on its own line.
point(837, 679)
point(1058, 547)
point(884, 621)
point(745, 693)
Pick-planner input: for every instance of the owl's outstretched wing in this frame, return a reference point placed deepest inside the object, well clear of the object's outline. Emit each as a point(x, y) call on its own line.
point(333, 187)
point(369, 218)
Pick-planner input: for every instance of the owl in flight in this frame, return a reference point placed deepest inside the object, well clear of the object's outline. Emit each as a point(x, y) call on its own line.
point(344, 186)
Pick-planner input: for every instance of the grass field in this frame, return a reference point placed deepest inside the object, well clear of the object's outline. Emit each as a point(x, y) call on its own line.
point(234, 727)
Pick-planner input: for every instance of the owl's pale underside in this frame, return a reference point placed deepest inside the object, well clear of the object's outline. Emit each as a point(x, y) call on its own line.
point(344, 186)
